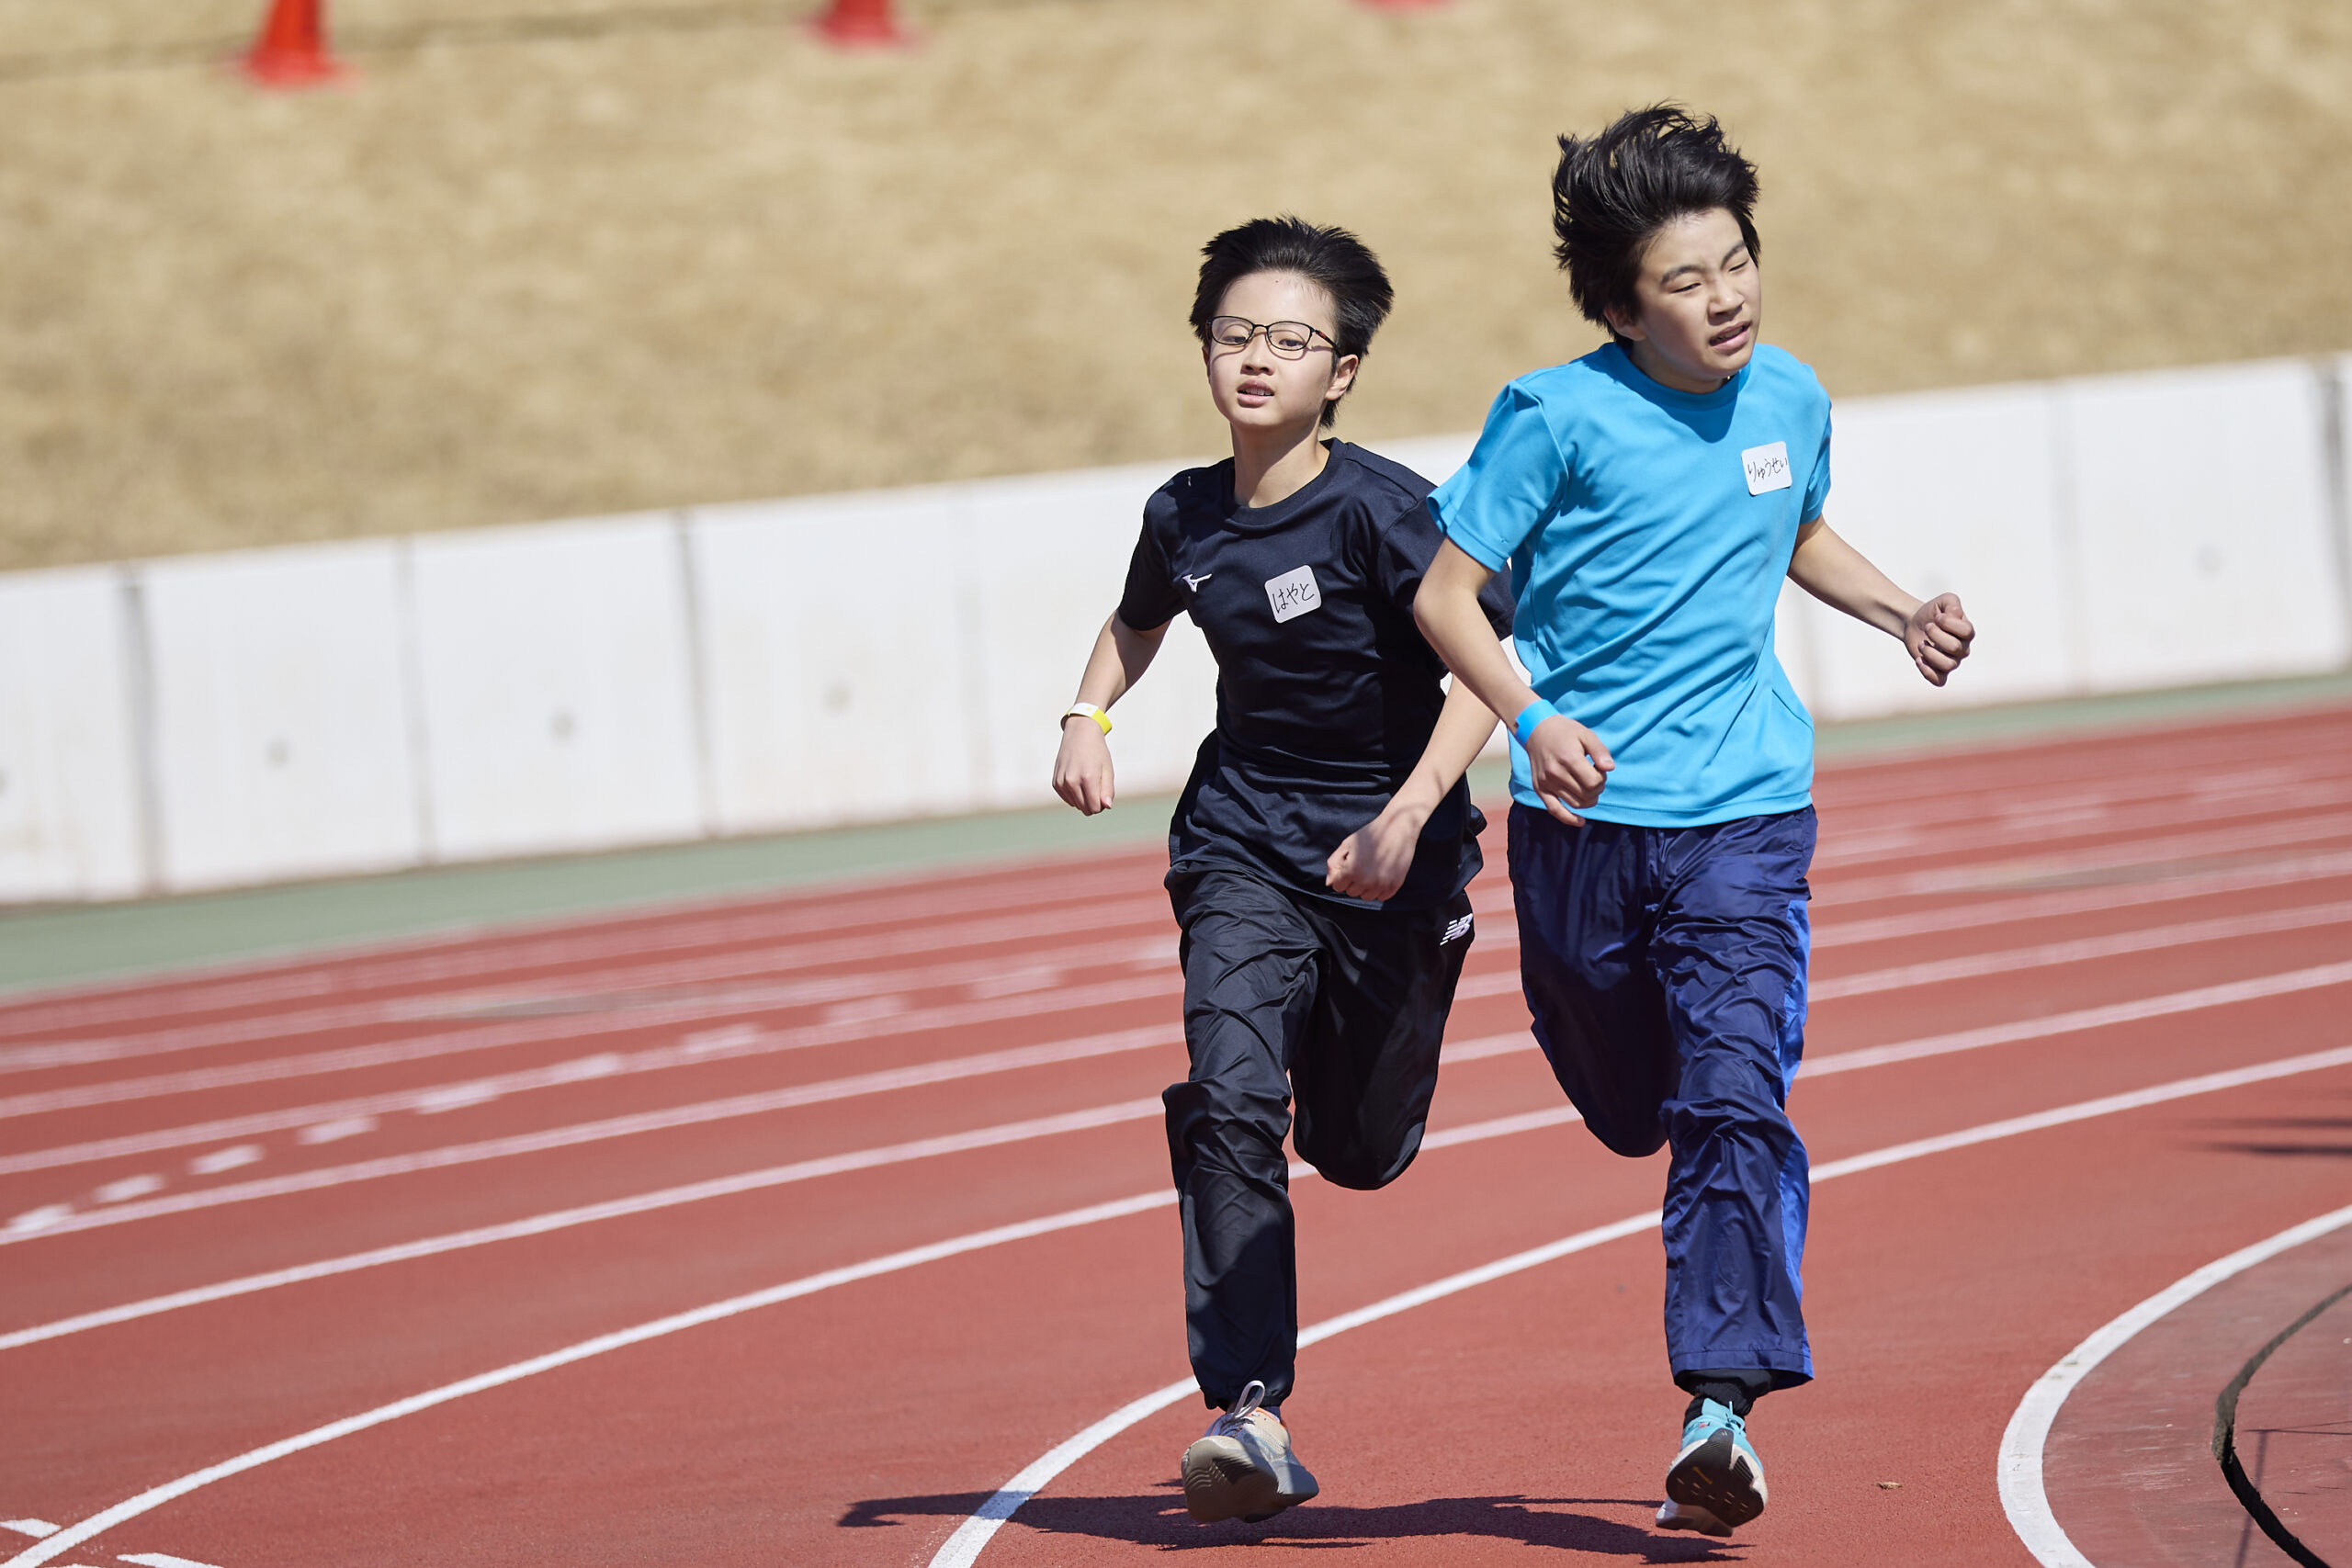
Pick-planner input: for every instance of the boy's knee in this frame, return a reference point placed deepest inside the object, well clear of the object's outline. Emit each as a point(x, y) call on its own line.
point(1211, 1124)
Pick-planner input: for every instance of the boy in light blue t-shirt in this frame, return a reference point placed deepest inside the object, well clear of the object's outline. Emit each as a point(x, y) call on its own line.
point(1647, 499)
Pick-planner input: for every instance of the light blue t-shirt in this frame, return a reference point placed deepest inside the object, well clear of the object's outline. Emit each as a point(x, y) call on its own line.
point(1648, 532)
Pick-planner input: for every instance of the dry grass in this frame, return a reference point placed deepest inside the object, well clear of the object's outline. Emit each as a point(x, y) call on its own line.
point(601, 260)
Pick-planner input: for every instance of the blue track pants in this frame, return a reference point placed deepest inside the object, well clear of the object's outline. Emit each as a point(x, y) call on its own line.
point(1665, 970)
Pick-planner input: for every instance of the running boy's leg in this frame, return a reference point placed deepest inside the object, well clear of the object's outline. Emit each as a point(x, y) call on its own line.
point(1366, 1067)
point(1249, 961)
point(1730, 950)
point(1586, 907)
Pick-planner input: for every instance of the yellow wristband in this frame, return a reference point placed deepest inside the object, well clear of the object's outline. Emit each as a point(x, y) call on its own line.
point(1090, 711)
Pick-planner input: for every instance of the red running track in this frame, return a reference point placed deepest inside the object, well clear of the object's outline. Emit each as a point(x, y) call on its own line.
point(787, 1230)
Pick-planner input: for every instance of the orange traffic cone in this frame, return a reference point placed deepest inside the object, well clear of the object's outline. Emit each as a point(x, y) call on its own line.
point(292, 48)
point(862, 24)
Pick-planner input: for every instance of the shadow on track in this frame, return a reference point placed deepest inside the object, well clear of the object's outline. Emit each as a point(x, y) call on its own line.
point(1157, 1520)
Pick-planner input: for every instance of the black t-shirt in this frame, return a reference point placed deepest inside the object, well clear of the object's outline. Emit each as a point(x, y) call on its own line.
point(1326, 691)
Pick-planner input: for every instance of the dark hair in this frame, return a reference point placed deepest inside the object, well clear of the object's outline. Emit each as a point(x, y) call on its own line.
point(1613, 192)
point(1332, 259)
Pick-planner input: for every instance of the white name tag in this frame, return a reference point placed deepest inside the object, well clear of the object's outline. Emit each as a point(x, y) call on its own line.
point(1768, 468)
point(1294, 593)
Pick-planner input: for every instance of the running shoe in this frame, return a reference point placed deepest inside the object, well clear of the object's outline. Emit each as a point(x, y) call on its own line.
point(1241, 1468)
point(1716, 1479)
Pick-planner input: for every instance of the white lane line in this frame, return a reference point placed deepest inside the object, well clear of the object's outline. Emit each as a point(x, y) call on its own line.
point(645, 990)
point(795, 1037)
point(2147, 939)
point(25, 1228)
point(2155, 853)
point(1901, 839)
point(963, 1547)
point(230, 1158)
point(589, 1214)
point(30, 1527)
point(455, 954)
point(2023, 1496)
point(749, 1039)
point(162, 1560)
point(699, 1114)
point(1003, 1505)
point(408, 1009)
point(2054, 902)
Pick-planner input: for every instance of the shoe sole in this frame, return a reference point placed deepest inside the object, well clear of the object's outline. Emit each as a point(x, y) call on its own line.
point(1717, 1477)
point(1688, 1516)
point(1221, 1483)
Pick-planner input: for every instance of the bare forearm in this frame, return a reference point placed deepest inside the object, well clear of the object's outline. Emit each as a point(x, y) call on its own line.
point(1447, 611)
point(1462, 726)
point(1121, 655)
point(1841, 577)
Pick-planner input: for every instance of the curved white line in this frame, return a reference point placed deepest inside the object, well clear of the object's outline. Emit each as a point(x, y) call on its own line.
point(2023, 1497)
point(963, 1547)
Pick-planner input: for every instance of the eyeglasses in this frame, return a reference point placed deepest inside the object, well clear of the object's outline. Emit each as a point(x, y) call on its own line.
point(1288, 339)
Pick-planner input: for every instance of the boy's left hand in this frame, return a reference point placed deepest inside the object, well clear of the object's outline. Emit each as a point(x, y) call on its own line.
point(1939, 637)
point(1372, 862)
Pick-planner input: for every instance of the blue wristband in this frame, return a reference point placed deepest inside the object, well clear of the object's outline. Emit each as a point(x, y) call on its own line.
point(1529, 716)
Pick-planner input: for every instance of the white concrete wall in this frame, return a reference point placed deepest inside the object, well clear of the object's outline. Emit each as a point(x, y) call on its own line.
point(271, 713)
point(554, 673)
point(69, 803)
point(280, 728)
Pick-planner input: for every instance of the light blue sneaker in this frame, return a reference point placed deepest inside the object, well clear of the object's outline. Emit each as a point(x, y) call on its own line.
point(1716, 1482)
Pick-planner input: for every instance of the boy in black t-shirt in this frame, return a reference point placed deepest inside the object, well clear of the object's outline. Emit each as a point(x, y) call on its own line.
point(1319, 854)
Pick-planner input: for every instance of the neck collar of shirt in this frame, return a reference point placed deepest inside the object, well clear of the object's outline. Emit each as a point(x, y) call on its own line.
point(1620, 366)
point(1265, 519)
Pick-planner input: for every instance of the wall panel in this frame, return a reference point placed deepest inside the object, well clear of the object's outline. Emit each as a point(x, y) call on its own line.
point(834, 635)
point(280, 718)
point(68, 793)
point(2200, 501)
point(557, 709)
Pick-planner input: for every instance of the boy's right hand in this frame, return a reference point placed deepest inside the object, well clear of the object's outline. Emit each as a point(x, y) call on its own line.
point(1567, 764)
point(1082, 766)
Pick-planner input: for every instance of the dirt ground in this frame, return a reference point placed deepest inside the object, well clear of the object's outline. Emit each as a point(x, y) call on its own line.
point(549, 258)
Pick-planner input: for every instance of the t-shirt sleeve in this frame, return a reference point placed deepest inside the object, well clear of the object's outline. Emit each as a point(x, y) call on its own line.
point(1407, 548)
point(1816, 488)
point(1509, 486)
point(1149, 599)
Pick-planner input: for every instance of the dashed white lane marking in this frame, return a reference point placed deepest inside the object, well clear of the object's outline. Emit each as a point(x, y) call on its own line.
point(733, 983)
point(429, 1047)
point(2023, 1496)
point(233, 1158)
point(563, 1219)
point(38, 1219)
point(2318, 977)
point(129, 1186)
point(336, 1130)
point(963, 1547)
point(976, 1529)
point(30, 1527)
point(162, 1560)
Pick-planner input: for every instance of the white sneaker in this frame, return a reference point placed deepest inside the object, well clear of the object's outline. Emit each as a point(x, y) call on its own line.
point(1242, 1467)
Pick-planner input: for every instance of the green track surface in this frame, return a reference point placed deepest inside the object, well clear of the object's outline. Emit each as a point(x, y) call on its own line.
point(55, 945)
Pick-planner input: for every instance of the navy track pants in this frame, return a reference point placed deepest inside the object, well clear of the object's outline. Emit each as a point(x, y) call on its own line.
point(1665, 970)
point(1287, 993)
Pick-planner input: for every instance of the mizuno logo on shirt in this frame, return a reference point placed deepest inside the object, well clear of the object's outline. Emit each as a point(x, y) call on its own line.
point(1455, 929)
point(1195, 583)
